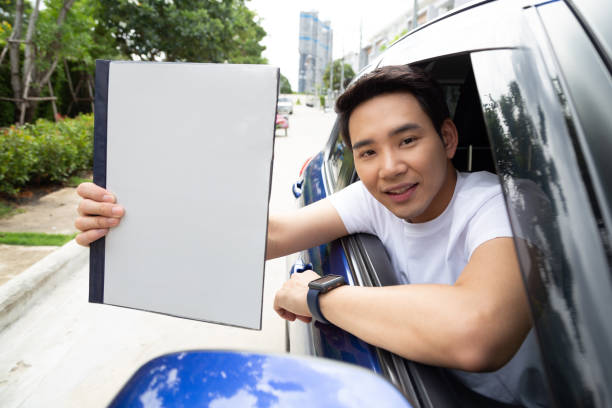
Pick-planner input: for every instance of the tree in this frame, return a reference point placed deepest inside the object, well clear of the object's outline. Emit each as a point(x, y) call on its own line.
point(349, 74)
point(64, 30)
point(285, 86)
point(185, 30)
point(42, 51)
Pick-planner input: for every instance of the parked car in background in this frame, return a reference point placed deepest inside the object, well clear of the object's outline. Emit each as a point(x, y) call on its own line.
point(311, 101)
point(529, 86)
point(284, 106)
point(282, 122)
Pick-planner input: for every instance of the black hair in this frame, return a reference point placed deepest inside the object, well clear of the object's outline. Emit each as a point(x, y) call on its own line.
point(393, 79)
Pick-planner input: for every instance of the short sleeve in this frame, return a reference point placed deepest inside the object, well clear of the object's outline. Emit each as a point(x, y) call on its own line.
point(355, 207)
point(489, 222)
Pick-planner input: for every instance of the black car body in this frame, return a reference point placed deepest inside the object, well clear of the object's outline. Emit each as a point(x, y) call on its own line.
point(529, 87)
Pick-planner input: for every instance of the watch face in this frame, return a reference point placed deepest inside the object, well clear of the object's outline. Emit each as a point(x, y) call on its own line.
point(326, 283)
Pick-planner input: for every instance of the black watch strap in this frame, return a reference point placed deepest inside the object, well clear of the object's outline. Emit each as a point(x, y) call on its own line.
point(313, 305)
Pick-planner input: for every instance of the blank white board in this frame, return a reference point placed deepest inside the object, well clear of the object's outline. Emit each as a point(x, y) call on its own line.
point(187, 149)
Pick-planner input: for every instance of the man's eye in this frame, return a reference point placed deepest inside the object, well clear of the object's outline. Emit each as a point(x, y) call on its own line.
point(407, 140)
point(367, 153)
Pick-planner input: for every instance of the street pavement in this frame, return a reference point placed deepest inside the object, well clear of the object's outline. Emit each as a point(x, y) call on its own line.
point(66, 352)
point(53, 213)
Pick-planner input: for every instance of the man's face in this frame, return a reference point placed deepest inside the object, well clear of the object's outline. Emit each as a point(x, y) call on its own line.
point(400, 157)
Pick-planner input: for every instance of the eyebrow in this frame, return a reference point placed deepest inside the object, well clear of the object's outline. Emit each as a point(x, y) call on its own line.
point(403, 128)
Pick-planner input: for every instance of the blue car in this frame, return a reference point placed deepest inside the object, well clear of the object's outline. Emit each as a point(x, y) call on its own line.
point(529, 87)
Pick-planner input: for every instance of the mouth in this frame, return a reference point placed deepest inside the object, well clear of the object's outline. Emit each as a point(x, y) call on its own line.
point(401, 192)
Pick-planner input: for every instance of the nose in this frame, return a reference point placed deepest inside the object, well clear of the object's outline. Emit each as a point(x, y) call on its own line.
point(392, 165)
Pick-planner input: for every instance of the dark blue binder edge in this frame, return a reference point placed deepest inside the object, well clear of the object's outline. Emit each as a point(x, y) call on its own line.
point(96, 249)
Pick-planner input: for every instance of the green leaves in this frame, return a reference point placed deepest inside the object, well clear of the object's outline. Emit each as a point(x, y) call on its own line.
point(184, 30)
point(285, 86)
point(349, 74)
point(44, 152)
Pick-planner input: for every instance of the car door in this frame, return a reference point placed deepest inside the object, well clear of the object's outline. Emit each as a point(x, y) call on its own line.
point(526, 110)
point(547, 114)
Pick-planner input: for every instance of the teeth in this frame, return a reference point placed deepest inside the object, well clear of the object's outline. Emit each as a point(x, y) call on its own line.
point(400, 191)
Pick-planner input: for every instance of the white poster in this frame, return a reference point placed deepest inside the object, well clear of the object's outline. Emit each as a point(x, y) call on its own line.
point(187, 149)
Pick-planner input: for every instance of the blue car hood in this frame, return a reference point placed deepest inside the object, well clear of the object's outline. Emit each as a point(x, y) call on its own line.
point(235, 379)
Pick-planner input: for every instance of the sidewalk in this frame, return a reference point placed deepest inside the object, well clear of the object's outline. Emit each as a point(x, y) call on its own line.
point(53, 213)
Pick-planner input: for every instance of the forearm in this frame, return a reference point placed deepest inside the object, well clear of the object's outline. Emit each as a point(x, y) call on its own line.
point(301, 229)
point(434, 324)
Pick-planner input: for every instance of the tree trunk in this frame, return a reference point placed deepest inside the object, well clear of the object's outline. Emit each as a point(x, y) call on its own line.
point(39, 79)
point(28, 62)
point(14, 50)
point(57, 43)
point(29, 68)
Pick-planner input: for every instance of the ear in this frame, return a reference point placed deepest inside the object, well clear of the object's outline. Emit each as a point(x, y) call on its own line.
point(450, 138)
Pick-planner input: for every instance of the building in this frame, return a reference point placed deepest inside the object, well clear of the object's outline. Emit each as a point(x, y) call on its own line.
point(315, 48)
point(426, 10)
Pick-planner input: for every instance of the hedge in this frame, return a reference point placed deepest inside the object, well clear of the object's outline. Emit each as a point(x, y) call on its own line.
point(44, 152)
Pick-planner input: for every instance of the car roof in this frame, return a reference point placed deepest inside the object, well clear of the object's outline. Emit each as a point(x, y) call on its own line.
point(491, 25)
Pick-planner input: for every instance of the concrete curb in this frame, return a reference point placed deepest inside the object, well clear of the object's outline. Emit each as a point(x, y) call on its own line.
point(18, 294)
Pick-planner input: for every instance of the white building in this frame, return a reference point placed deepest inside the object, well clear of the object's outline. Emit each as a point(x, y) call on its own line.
point(315, 48)
point(427, 10)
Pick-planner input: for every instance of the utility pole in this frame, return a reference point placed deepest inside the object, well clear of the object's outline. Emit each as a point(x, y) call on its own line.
point(415, 13)
point(342, 74)
point(342, 69)
point(330, 92)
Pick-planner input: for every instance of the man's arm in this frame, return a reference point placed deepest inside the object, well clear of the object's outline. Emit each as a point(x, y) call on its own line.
point(290, 232)
point(303, 228)
point(477, 324)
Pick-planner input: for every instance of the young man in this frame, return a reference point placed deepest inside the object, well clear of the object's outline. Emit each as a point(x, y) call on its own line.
point(447, 234)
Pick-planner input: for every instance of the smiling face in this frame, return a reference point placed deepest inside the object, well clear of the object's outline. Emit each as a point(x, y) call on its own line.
point(400, 157)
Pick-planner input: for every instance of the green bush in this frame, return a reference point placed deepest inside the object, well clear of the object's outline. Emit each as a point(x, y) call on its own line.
point(44, 152)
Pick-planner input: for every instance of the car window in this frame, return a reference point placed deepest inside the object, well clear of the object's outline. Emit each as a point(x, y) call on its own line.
point(451, 92)
point(340, 162)
point(455, 76)
point(577, 55)
point(559, 247)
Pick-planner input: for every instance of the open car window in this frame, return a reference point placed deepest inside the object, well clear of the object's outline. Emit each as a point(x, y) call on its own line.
point(427, 386)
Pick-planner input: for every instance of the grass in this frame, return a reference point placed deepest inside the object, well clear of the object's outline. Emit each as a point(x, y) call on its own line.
point(6, 210)
point(34, 238)
point(74, 181)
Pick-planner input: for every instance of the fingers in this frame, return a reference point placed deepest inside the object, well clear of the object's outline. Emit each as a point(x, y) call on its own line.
point(99, 212)
point(287, 315)
point(105, 209)
point(87, 237)
point(290, 300)
point(95, 193)
point(88, 223)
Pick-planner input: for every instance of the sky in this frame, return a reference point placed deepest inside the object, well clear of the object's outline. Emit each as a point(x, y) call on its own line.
point(281, 20)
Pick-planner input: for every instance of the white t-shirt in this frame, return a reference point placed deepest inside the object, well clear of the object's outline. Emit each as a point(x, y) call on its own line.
point(437, 251)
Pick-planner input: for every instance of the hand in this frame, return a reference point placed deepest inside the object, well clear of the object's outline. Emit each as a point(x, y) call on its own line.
point(290, 301)
point(98, 212)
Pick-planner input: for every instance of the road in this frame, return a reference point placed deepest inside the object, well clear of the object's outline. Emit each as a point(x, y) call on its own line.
point(66, 352)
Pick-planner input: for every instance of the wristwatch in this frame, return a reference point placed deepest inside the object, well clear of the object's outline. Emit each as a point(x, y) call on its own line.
point(317, 287)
